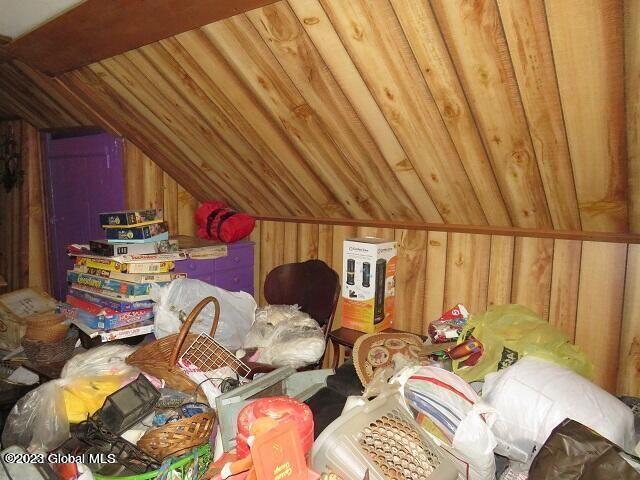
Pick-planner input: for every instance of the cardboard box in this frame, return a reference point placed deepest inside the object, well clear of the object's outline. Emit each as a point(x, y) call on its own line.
point(368, 283)
point(15, 308)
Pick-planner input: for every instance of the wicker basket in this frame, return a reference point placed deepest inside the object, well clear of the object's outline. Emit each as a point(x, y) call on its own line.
point(50, 333)
point(160, 358)
point(47, 327)
point(43, 353)
point(178, 437)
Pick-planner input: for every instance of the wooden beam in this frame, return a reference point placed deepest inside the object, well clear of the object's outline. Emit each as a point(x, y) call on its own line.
point(611, 237)
point(96, 29)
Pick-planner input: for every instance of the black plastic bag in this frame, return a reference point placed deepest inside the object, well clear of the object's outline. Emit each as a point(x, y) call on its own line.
point(574, 452)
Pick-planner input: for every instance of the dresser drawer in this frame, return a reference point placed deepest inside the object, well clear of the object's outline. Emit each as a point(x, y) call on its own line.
point(237, 256)
point(193, 268)
point(233, 280)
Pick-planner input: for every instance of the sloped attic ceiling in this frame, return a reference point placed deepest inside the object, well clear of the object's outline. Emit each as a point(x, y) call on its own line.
point(499, 112)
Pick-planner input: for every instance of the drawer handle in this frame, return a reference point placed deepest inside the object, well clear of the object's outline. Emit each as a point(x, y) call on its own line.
point(236, 259)
point(236, 279)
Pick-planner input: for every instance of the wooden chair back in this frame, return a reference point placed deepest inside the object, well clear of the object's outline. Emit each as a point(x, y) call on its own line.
point(312, 285)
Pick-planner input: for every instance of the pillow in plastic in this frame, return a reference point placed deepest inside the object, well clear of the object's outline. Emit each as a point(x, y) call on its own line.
point(286, 336)
point(534, 396)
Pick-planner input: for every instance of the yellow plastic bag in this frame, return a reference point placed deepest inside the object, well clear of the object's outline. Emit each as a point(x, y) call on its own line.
point(510, 332)
point(85, 395)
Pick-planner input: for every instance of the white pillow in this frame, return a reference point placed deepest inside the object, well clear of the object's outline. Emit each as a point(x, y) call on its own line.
point(533, 396)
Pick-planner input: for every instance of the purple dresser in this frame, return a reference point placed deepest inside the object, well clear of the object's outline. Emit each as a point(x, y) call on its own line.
point(233, 272)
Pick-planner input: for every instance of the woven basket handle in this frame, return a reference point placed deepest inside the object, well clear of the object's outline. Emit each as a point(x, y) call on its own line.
point(186, 326)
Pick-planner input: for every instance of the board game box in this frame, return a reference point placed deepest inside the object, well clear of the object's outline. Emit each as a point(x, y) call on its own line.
point(105, 249)
point(130, 277)
point(95, 316)
point(114, 266)
point(145, 232)
point(131, 217)
point(116, 304)
point(110, 284)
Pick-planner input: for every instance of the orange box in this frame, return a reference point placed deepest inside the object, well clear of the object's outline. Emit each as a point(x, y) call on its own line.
point(277, 454)
point(368, 283)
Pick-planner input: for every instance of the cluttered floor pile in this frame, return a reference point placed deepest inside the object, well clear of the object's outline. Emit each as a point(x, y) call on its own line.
point(495, 395)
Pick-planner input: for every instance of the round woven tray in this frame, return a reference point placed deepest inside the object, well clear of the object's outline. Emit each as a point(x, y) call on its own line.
point(42, 353)
point(376, 350)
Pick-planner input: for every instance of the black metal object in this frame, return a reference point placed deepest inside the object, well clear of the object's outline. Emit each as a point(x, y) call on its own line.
point(10, 163)
point(90, 437)
point(126, 407)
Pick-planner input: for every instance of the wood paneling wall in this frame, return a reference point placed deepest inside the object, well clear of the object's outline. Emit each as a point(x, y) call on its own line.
point(23, 242)
point(589, 290)
point(476, 112)
point(42, 101)
point(147, 186)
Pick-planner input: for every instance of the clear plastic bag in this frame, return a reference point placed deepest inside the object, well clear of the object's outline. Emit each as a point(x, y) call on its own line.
point(286, 336)
point(176, 300)
point(40, 419)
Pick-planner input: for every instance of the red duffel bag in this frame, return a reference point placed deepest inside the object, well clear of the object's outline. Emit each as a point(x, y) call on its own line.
point(218, 222)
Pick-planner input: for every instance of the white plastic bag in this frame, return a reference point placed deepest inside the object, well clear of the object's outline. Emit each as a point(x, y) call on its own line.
point(470, 445)
point(476, 442)
point(39, 419)
point(176, 300)
point(286, 336)
point(533, 396)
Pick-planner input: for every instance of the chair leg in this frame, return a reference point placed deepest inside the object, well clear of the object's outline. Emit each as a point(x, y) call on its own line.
point(336, 354)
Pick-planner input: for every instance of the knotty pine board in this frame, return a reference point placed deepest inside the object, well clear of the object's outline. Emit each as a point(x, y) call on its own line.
point(438, 71)
point(325, 39)
point(600, 304)
point(23, 243)
point(243, 48)
point(531, 281)
point(288, 41)
point(473, 30)
point(527, 37)
point(630, 336)
point(587, 42)
point(147, 186)
point(374, 39)
point(500, 270)
point(632, 99)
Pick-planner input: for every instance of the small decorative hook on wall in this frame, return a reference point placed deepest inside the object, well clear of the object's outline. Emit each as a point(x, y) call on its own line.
point(10, 160)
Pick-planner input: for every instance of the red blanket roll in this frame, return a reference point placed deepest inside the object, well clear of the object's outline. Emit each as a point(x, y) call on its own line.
point(216, 221)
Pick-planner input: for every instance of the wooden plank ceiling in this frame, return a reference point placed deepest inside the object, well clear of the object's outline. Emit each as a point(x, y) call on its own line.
point(476, 112)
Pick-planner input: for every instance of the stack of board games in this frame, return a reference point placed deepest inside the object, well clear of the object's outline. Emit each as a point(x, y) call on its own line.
point(111, 280)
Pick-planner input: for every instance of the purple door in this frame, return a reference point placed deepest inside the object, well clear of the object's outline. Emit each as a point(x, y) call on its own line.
point(84, 178)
